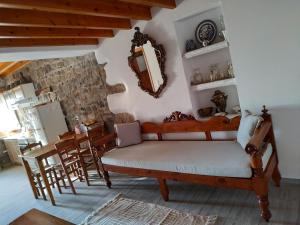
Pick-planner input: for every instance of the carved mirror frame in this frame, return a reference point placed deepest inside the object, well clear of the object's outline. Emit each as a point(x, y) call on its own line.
point(138, 41)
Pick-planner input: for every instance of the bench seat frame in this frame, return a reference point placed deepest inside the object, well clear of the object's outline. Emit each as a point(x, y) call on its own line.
point(256, 148)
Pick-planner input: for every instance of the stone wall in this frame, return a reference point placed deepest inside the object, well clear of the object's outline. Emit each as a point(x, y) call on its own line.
point(79, 82)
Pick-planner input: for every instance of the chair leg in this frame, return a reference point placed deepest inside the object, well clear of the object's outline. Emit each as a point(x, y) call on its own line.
point(41, 187)
point(28, 171)
point(105, 174)
point(97, 168)
point(164, 190)
point(57, 181)
point(84, 170)
point(71, 184)
point(106, 178)
point(51, 179)
point(62, 177)
point(276, 176)
point(96, 164)
point(78, 172)
point(37, 191)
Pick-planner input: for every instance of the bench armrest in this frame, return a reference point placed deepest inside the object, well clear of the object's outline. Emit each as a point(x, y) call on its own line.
point(255, 145)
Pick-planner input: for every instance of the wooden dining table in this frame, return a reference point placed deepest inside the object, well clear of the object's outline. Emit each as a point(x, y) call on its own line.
point(43, 153)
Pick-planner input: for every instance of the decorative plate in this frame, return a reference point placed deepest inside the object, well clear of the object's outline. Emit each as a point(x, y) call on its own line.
point(206, 32)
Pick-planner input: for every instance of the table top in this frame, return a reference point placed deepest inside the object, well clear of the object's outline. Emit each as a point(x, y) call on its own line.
point(49, 149)
point(37, 217)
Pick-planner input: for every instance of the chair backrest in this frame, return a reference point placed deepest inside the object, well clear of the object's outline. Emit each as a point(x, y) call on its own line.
point(105, 142)
point(95, 132)
point(66, 135)
point(67, 150)
point(31, 164)
point(30, 147)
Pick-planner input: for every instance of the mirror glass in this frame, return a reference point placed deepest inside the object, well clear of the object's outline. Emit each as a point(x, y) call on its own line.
point(147, 61)
point(149, 67)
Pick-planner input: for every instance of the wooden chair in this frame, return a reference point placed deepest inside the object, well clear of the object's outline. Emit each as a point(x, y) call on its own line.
point(94, 134)
point(71, 161)
point(34, 173)
point(100, 145)
point(87, 157)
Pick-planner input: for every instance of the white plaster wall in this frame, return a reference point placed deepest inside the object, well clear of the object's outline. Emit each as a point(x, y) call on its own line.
point(116, 51)
point(265, 50)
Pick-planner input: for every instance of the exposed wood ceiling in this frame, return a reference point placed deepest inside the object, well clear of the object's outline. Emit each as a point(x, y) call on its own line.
point(7, 68)
point(25, 23)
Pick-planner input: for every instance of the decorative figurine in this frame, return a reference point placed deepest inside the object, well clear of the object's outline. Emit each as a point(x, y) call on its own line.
point(220, 100)
point(190, 45)
point(80, 128)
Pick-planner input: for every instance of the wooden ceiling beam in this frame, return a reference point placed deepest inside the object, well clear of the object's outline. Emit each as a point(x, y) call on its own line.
point(34, 18)
point(3, 65)
point(28, 42)
point(86, 7)
point(13, 67)
point(40, 32)
point(170, 4)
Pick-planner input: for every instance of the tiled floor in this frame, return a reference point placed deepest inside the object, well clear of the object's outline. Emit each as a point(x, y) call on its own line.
point(236, 207)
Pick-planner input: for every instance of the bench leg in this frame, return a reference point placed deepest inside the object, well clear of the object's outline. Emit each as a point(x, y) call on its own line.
point(261, 190)
point(164, 190)
point(264, 207)
point(276, 176)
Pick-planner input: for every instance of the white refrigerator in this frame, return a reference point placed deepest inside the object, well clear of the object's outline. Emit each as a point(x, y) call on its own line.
point(47, 122)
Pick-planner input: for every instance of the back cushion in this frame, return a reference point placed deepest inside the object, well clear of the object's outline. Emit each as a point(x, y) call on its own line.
point(128, 134)
point(246, 129)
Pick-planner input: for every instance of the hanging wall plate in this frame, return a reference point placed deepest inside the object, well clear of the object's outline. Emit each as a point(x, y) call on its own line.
point(206, 32)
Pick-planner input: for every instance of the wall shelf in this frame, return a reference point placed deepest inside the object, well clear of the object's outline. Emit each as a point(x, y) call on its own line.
point(214, 84)
point(205, 50)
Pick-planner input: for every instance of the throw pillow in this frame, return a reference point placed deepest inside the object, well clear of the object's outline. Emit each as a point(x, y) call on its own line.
point(128, 134)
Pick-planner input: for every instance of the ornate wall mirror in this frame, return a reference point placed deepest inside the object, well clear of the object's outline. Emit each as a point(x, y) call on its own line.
point(147, 60)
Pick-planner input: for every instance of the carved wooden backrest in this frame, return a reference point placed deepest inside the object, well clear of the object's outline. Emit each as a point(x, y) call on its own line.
point(185, 123)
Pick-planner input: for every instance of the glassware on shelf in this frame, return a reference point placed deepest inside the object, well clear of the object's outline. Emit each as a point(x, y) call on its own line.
point(197, 77)
point(214, 72)
point(230, 70)
point(222, 33)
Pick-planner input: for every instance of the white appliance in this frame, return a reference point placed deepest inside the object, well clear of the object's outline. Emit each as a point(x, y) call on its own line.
point(18, 93)
point(48, 121)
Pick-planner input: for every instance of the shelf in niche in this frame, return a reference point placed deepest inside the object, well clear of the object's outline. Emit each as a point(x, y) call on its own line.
point(214, 84)
point(206, 50)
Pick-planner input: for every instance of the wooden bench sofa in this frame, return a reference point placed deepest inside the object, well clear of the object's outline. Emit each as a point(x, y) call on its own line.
point(222, 163)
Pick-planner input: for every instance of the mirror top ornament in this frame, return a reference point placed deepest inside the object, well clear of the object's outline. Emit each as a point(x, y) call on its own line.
point(147, 61)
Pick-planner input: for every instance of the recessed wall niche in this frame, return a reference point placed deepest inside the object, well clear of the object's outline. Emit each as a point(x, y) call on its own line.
point(201, 60)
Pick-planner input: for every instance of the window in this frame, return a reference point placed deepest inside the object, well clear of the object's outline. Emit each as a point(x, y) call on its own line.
point(8, 118)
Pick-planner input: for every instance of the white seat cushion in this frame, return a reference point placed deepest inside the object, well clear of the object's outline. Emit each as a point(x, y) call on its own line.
point(218, 158)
